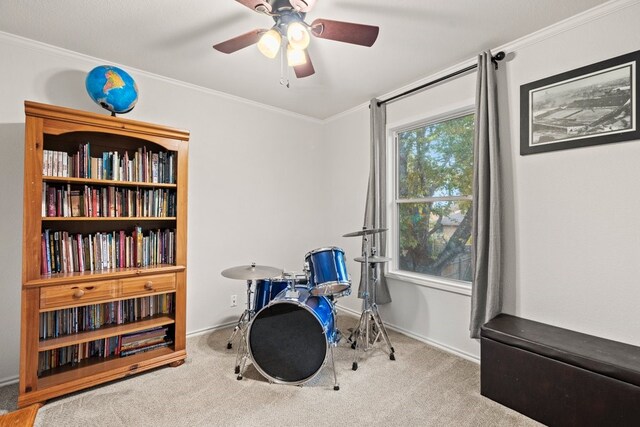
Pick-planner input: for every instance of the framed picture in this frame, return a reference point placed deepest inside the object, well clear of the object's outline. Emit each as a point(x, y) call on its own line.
point(596, 104)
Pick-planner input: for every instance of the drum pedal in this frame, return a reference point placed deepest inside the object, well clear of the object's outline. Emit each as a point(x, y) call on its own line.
point(351, 334)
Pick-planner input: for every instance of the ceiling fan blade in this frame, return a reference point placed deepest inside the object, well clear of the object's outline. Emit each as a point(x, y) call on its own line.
point(240, 42)
point(364, 35)
point(302, 5)
point(257, 5)
point(304, 70)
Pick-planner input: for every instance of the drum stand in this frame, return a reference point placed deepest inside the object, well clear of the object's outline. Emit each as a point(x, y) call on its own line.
point(336, 386)
point(241, 326)
point(366, 335)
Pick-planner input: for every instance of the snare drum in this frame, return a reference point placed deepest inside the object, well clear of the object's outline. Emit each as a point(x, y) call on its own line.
point(327, 271)
point(266, 290)
point(289, 338)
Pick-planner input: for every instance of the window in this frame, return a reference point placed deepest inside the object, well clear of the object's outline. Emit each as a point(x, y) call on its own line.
point(432, 201)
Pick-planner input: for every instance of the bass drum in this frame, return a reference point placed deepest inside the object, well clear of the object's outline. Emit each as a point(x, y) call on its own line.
point(289, 338)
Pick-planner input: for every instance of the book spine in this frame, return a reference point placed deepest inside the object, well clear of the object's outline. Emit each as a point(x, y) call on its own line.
point(140, 350)
point(65, 164)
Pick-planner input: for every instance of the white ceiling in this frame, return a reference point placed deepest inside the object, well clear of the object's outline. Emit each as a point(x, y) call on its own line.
point(173, 38)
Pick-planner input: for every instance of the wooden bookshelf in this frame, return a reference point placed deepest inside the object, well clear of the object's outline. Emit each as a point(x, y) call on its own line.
point(51, 283)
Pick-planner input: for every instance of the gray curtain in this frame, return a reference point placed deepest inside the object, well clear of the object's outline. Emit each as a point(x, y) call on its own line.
point(486, 294)
point(375, 214)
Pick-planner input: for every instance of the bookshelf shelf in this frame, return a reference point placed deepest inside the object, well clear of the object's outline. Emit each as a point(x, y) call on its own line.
point(107, 218)
point(69, 263)
point(89, 276)
point(105, 182)
point(91, 372)
point(94, 366)
point(105, 332)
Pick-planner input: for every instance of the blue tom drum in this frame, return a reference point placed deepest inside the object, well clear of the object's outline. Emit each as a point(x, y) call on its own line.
point(328, 272)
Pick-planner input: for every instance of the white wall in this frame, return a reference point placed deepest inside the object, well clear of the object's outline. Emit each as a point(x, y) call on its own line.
point(571, 240)
point(267, 186)
point(574, 253)
point(251, 170)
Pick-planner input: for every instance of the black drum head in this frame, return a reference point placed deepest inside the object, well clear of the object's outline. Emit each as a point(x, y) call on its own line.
point(287, 343)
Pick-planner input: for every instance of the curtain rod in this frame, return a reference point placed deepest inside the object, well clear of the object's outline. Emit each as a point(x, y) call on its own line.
point(498, 57)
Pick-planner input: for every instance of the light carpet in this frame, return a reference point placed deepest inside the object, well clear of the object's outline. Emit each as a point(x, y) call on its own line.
point(423, 387)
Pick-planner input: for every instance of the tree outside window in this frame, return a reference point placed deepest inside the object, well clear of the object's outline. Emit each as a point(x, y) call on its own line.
point(434, 196)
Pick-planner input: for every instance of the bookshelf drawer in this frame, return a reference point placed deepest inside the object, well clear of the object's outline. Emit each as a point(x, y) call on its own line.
point(136, 286)
point(78, 294)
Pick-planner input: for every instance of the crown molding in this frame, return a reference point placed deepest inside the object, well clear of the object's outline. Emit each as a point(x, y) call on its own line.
point(567, 24)
point(56, 50)
point(539, 36)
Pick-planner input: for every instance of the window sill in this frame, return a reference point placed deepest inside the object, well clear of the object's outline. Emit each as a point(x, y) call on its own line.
point(453, 286)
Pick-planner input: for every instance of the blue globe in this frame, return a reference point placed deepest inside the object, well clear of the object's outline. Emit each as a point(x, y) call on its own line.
point(112, 88)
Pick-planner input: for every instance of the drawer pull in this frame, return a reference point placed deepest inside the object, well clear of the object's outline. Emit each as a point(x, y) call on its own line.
point(149, 285)
point(78, 293)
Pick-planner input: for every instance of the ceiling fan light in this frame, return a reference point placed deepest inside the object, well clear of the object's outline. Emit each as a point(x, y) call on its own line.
point(269, 43)
point(298, 35)
point(295, 56)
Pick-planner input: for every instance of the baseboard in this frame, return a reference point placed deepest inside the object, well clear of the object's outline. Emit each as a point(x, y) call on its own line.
point(210, 329)
point(429, 341)
point(9, 381)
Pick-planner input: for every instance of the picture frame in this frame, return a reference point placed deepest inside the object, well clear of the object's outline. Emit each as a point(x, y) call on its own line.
point(591, 105)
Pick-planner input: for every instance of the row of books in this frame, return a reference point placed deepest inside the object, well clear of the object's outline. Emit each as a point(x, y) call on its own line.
point(68, 321)
point(123, 345)
point(143, 166)
point(74, 354)
point(138, 342)
point(63, 252)
point(91, 201)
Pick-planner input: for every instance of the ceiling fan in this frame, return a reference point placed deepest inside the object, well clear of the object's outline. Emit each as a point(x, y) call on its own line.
point(291, 29)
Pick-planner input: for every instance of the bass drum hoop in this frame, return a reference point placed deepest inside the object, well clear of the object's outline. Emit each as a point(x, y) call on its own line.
point(324, 333)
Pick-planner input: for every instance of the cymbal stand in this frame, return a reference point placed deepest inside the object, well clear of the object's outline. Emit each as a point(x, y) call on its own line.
point(365, 337)
point(241, 326)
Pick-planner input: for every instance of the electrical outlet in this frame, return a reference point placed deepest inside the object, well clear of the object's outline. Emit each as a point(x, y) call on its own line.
point(234, 300)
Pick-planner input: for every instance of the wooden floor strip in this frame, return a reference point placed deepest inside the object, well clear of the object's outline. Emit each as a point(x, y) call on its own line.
point(21, 418)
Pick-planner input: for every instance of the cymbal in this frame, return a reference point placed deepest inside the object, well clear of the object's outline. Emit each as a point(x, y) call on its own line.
point(365, 231)
point(251, 272)
point(373, 259)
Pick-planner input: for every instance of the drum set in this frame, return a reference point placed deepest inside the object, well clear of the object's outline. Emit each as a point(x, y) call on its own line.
point(288, 328)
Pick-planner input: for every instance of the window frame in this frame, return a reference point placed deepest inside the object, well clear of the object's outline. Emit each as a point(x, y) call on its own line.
point(392, 269)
